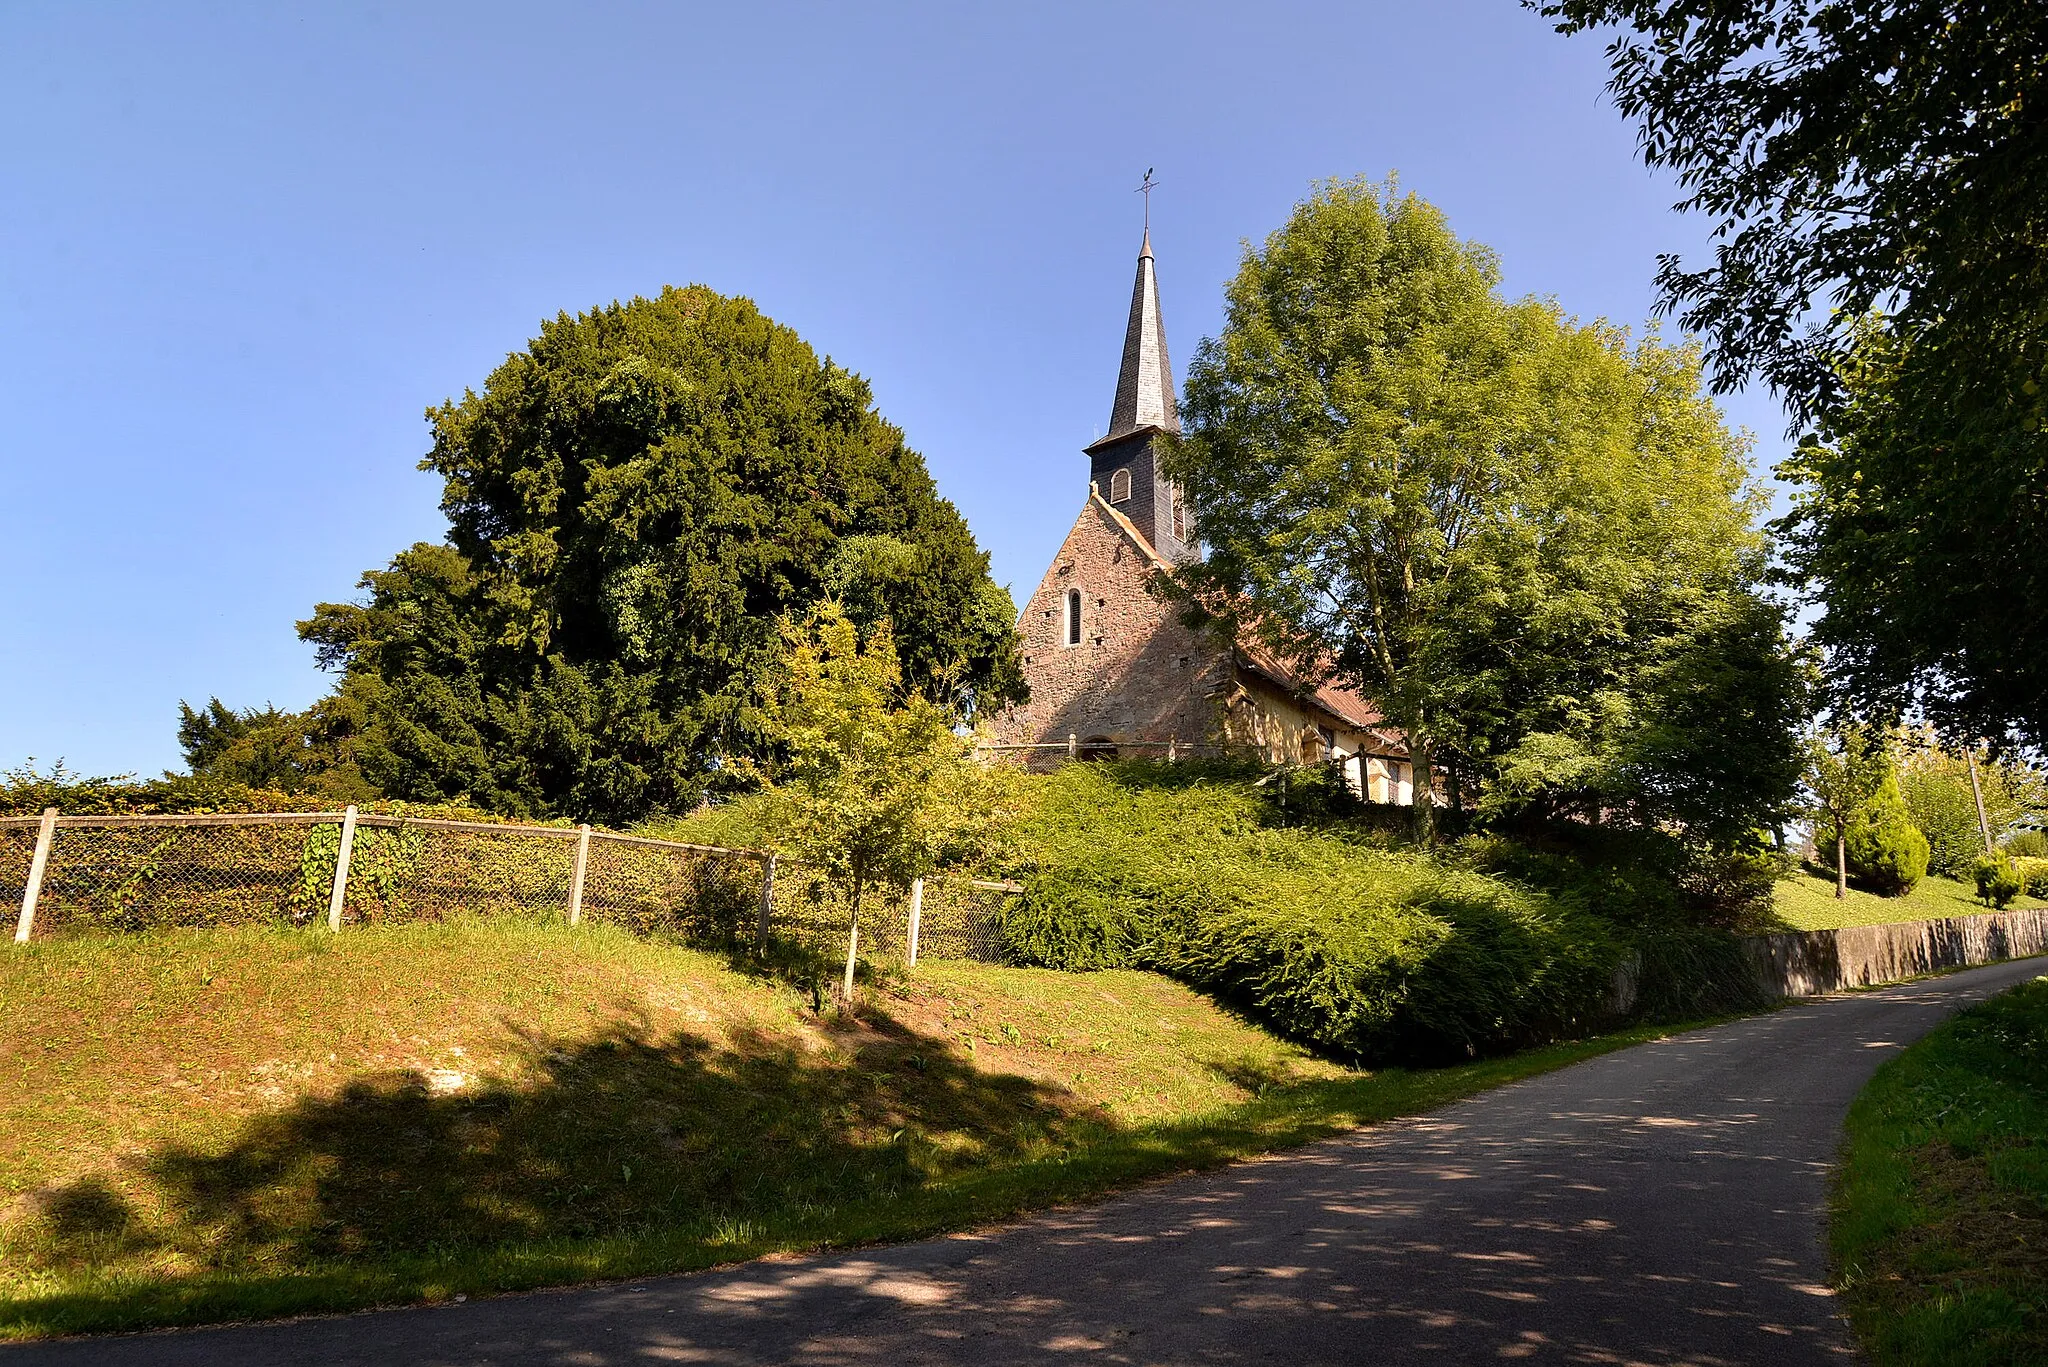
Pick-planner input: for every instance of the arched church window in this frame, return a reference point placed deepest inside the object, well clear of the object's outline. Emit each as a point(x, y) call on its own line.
point(1180, 519)
point(1120, 487)
point(1073, 617)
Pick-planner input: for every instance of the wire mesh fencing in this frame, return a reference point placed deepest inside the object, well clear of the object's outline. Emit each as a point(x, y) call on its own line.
point(699, 893)
point(404, 871)
point(815, 914)
point(961, 919)
point(133, 873)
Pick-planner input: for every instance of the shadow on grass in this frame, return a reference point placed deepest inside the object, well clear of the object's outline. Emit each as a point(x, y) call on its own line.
point(752, 1148)
point(604, 1137)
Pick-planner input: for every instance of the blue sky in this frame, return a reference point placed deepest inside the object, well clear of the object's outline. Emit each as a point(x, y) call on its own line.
point(243, 247)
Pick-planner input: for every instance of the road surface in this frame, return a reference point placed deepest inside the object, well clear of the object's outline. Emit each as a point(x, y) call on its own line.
point(1659, 1205)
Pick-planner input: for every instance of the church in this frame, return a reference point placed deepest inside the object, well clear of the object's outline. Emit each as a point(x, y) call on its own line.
point(1113, 670)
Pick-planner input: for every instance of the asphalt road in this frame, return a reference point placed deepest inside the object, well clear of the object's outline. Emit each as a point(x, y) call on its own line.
point(1659, 1205)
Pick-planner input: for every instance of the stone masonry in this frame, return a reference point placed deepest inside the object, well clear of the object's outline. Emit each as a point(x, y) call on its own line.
point(1136, 673)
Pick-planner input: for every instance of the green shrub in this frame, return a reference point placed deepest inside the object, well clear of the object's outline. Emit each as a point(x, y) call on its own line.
point(2028, 844)
point(1998, 880)
point(1887, 852)
point(1638, 877)
point(2033, 876)
point(1685, 973)
point(1345, 941)
point(1939, 802)
point(1464, 966)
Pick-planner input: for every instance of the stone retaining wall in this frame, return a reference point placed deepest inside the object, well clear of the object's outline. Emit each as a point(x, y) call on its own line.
point(1807, 963)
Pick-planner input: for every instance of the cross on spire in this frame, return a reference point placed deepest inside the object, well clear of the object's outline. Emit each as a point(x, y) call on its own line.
point(1146, 190)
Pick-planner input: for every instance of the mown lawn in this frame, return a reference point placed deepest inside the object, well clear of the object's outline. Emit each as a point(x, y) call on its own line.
point(213, 1125)
point(1806, 901)
point(1940, 1224)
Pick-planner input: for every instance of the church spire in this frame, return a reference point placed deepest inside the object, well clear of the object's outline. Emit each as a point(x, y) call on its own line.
point(1123, 466)
point(1144, 387)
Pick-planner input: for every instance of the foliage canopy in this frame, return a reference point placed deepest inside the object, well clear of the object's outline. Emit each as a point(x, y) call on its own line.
point(1917, 521)
point(635, 501)
point(1877, 174)
point(1529, 540)
point(1854, 155)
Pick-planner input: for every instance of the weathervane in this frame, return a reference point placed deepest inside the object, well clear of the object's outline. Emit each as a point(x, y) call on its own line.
point(1146, 190)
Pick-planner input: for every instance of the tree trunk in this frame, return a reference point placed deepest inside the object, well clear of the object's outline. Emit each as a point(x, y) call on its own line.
point(1841, 865)
point(852, 944)
point(1422, 791)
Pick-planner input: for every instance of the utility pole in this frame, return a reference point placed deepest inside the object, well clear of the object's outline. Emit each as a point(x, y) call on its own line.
point(1977, 791)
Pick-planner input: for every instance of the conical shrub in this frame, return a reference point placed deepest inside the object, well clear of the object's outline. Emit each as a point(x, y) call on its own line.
point(1887, 852)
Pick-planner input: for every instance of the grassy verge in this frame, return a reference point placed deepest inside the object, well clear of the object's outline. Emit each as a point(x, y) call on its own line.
point(1941, 1210)
point(212, 1126)
point(1806, 901)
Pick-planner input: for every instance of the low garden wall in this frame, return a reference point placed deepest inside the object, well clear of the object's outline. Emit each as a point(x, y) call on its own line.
point(1806, 963)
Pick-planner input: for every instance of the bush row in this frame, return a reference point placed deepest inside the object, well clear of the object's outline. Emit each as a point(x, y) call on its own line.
point(24, 792)
point(1339, 940)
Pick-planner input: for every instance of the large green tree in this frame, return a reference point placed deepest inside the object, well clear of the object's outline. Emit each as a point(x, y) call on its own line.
point(1528, 540)
point(1876, 172)
point(1919, 518)
point(635, 500)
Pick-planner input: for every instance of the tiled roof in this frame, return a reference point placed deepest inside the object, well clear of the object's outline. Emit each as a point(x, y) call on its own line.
point(1334, 698)
point(1347, 706)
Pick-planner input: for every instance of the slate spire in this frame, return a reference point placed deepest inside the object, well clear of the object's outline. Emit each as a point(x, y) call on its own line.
point(1144, 387)
point(1123, 466)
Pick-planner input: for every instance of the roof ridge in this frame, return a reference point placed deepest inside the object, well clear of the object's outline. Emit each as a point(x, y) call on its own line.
point(1130, 528)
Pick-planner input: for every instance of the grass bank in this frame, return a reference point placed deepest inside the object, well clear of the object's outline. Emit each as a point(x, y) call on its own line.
point(1940, 1224)
point(211, 1126)
point(1806, 901)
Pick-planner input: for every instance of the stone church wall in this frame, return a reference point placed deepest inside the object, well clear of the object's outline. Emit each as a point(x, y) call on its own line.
point(1137, 673)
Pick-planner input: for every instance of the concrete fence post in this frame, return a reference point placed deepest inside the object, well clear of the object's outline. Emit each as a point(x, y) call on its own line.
point(348, 845)
point(767, 898)
point(916, 914)
point(1073, 745)
point(852, 951)
point(576, 874)
point(45, 834)
point(1172, 749)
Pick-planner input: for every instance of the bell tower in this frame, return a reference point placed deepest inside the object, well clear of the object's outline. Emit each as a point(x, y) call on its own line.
point(1123, 464)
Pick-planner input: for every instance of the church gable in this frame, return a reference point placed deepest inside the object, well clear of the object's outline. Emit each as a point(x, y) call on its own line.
point(1105, 658)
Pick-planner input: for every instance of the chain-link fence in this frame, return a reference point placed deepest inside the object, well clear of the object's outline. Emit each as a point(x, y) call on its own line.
point(126, 873)
point(961, 919)
point(954, 918)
